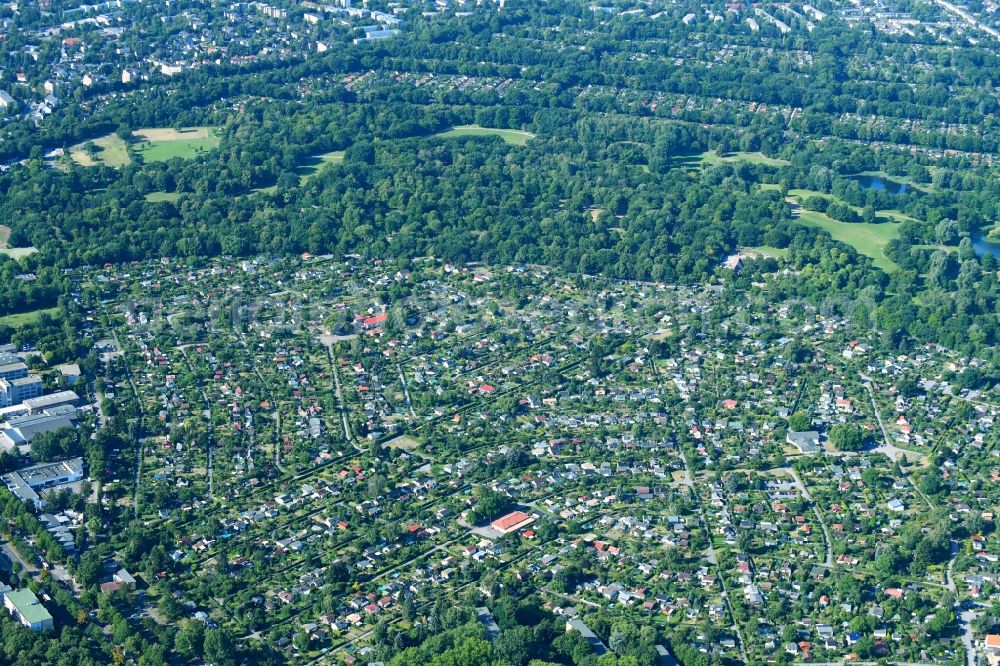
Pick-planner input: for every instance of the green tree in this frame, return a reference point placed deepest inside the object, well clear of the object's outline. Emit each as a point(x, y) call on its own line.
point(848, 437)
point(799, 422)
point(515, 645)
point(189, 640)
point(220, 649)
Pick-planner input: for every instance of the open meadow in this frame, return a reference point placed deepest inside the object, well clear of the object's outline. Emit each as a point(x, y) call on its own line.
point(162, 144)
point(513, 137)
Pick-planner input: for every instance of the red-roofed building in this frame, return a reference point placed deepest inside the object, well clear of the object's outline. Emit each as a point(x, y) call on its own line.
point(374, 321)
point(512, 522)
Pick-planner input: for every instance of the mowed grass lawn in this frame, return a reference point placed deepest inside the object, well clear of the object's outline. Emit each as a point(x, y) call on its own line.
point(154, 197)
point(712, 157)
point(21, 318)
point(694, 161)
point(110, 152)
point(316, 163)
point(162, 144)
point(513, 137)
point(12, 252)
point(155, 144)
point(17, 252)
point(868, 239)
point(766, 251)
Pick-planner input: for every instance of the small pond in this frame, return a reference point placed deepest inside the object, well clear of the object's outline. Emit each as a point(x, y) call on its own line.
point(983, 245)
point(881, 184)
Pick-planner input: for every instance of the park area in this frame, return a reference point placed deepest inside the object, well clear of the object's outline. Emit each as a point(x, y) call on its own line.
point(109, 150)
point(155, 144)
point(158, 197)
point(513, 137)
point(869, 239)
point(316, 163)
point(12, 252)
point(21, 318)
point(162, 144)
point(712, 158)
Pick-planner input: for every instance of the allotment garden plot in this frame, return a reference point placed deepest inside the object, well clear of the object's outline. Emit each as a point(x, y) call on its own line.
point(331, 445)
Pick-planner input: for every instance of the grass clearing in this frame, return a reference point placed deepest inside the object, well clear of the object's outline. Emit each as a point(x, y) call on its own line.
point(161, 144)
point(513, 137)
point(896, 216)
point(946, 248)
point(408, 444)
point(766, 251)
point(22, 318)
point(709, 158)
point(712, 157)
point(404, 442)
point(685, 162)
point(155, 144)
point(110, 152)
point(154, 134)
point(17, 252)
point(661, 334)
point(12, 252)
point(801, 194)
point(868, 239)
point(154, 197)
point(317, 163)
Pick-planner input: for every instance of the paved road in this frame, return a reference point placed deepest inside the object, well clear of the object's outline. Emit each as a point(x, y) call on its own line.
point(689, 482)
point(138, 403)
point(968, 18)
point(406, 390)
point(892, 451)
point(15, 556)
point(60, 573)
point(965, 619)
point(819, 516)
point(397, 567)
point(340, 398)
point(887, 448)
point(208, 408)
point(328, 657)
point(873, 663)
point(948, 580)
point(274, 404)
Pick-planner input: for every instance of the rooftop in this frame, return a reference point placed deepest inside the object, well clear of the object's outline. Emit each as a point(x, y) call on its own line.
point(38, 475)
point(57, 398)
point(28, 606)
point(512, 520)
point(35, 419)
